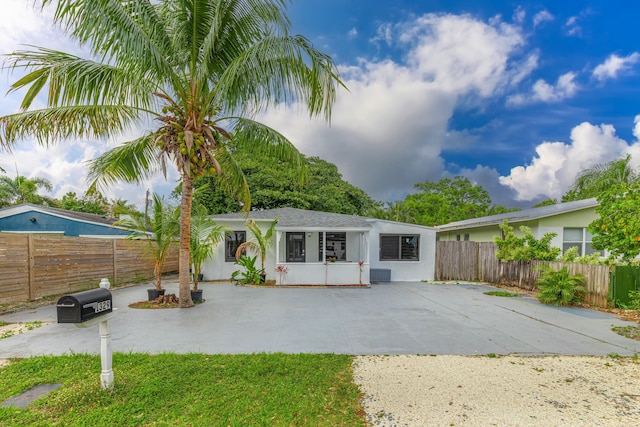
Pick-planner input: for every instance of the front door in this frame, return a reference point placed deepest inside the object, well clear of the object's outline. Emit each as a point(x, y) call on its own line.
point(295, 247)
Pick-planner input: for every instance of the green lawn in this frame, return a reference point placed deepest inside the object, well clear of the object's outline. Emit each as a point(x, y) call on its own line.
point(187, 390)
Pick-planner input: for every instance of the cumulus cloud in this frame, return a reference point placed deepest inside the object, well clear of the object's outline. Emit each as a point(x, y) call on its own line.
point(353, 33)
point(614, 65)
point(519, 15)
point(565, 87)
point(557, 164)
point(541, 17)
point(388, 131)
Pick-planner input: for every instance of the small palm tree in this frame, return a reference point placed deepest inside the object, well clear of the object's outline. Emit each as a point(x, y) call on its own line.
point(160, 230)
point(21, 189)
point(201, 70)
point(259, 242)
point(205, 237)
point(558, 287)
point(600, 178)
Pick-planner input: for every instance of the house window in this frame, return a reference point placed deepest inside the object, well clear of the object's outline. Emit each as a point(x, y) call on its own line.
point(578, 237)
point(336, 247)
point(395, 247)
point(231, 243)
point(466, 237)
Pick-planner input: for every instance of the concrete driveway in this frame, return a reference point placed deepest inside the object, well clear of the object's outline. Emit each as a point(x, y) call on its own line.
point(394, 318)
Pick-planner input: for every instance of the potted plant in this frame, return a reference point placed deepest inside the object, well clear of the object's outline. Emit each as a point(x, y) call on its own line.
point(205, 237)
point(160, 230)
point(258, 244)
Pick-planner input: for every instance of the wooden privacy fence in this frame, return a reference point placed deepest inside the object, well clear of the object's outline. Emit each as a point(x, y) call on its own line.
point(36, 266)
point(476, 262)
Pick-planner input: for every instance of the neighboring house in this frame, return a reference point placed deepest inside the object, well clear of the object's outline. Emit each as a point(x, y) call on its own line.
point(305, 240)
point(28, 218)
point(568, 220)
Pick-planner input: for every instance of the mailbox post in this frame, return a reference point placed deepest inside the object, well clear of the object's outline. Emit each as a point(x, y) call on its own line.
point(89, 308)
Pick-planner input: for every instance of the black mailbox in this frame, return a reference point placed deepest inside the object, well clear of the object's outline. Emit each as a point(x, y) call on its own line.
point(83, 306)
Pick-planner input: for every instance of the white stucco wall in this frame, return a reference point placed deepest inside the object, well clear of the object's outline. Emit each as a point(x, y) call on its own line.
point(315, 272)
point(403, 271)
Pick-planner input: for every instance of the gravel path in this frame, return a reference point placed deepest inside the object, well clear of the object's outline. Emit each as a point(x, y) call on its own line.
point(499, 391)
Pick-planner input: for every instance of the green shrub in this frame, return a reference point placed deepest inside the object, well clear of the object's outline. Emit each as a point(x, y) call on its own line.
point(573, 255)
point(634, 300)
point(250, 275)
point(560, 287)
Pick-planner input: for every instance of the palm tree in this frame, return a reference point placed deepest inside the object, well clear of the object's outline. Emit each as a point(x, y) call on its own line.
point(201, 69)
point(259, 243)
point(205, 237)
point(601, 177)
point(21, 189)
point(160, 230)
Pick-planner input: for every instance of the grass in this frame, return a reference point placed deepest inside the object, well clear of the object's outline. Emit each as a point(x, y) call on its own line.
point(187, 390)
point(501, 293)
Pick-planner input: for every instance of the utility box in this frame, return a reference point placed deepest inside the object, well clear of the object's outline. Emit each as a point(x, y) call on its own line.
point(83, 306)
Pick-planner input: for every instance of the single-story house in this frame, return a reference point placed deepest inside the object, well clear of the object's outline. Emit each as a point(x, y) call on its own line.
point(28, 218)
point(568, 220)
point(322, 248)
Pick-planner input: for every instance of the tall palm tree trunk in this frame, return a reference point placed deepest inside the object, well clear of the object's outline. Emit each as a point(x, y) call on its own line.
point(184, 259)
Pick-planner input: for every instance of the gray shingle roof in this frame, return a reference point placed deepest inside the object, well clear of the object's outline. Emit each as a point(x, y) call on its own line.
point(521, 216)
point(292, 217)
point(80, 216)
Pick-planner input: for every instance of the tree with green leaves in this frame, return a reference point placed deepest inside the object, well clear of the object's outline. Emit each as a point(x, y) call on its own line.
point(274, 184)
point(160, 230)
point(14, 191)
point(441, 202)
point(94, 203)
point(512, 247)
point(200, 70)
point(600, 178)
point(617, 228)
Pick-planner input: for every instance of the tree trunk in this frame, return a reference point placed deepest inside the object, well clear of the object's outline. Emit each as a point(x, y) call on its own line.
point(185, 234)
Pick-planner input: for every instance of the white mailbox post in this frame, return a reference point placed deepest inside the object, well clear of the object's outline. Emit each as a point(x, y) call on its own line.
point(106, 354)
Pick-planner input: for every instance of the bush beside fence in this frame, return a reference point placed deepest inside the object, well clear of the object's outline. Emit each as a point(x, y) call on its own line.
point(35, 266)
point(476, 261)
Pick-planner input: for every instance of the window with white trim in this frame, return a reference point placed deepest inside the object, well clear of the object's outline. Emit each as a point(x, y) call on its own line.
point(578, 237)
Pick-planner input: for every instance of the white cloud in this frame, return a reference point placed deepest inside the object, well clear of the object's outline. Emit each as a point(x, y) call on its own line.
point(388, 131)
point(614, 65)
point(565, 87)
point(383, 33)
point(519, 15)
point(541, 17)
point(572, 28)
point(557, 164)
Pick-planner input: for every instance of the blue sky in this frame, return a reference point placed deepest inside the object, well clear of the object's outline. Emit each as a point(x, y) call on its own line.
point(517, 96)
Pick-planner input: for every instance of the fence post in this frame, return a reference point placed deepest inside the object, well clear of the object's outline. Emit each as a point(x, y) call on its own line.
point(115, 262)
point(31, 268)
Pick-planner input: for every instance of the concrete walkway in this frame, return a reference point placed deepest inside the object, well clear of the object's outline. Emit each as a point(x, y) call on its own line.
point(394, 318)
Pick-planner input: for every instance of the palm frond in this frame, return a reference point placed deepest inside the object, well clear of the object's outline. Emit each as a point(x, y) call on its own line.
point(262, 141)
point(72, 80)
point(59, 123)
point(232, 180)
point(133, 161)
point(279, 69)
point(131, 34)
